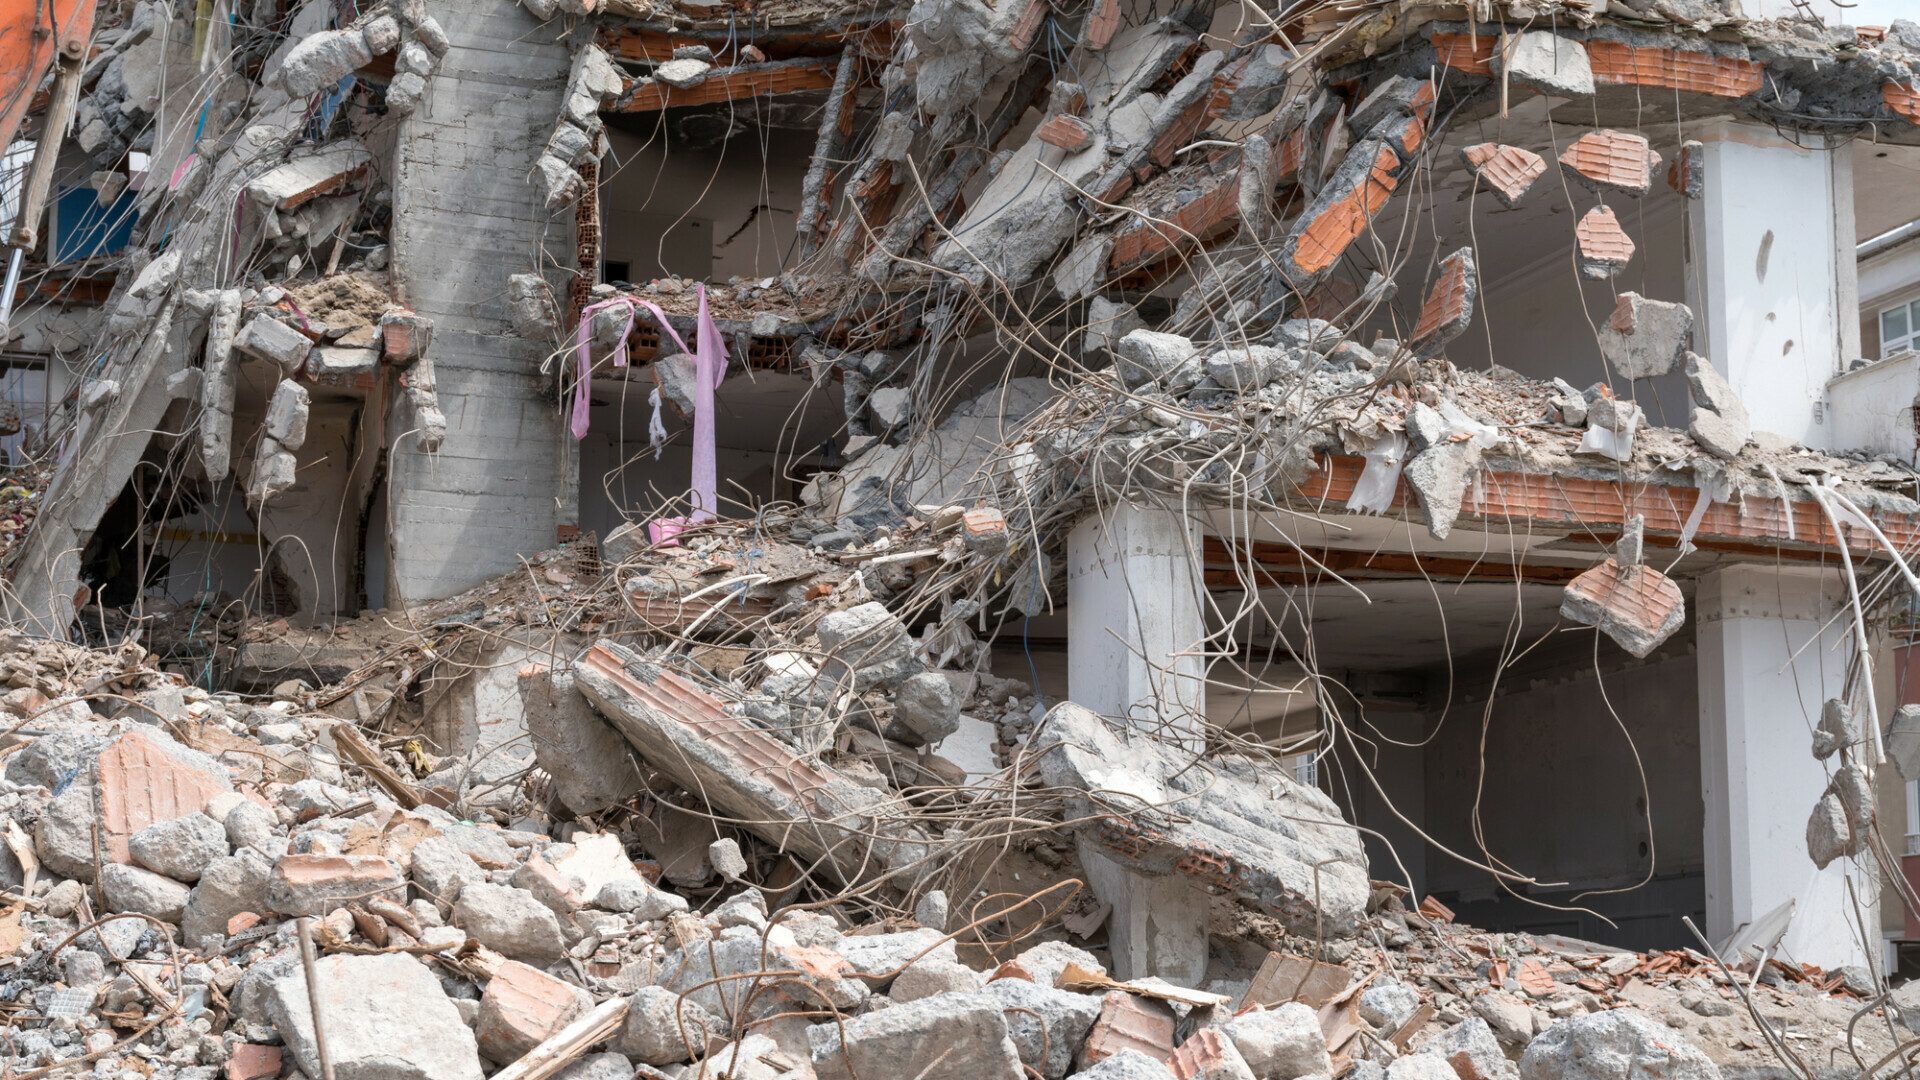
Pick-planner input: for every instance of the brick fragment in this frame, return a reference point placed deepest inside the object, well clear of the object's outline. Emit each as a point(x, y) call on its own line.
point(1618, 63)
point(1608, 160)
point(1688, 173)
point(321, 884)
point(1208, 1055)
point(1012, 969)
point(1508, 170)
point(251, 1061)
point(1070, 133)
point(1449, 307)
point(143, 782)
point(1603, 248)
point(1102, 23)
point(521, 1007)
point(1638, 607)
point(1129, 1023)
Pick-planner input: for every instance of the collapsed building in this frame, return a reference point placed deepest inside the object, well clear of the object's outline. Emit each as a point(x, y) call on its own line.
point(1282, 480)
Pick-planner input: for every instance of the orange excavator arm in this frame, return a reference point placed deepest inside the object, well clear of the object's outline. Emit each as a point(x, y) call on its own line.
point(32, 34)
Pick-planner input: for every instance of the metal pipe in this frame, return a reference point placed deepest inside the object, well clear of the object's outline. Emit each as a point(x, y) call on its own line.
point(6, 300)
point(1887, 241)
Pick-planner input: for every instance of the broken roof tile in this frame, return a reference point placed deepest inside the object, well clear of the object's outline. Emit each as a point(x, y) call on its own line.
point(1070, 133)
point(1608, 160)
point(1449, 306)
point(1509, 170)
point(1603, 247)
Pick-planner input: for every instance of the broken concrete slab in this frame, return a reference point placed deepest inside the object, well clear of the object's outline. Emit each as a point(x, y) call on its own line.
point(286, 421)
point(510, 922)
point(1637, 606)
point(1248, 830)
point(368, 1038)
point(744, 772)
point(1439, 478)
point(323, 59)
point(1281, 1042)
point(1716, 419)
point(950, 1037)
point(1618, 1044)
point(269, 339)
point(867, 647)
point(1645, 338)
point(1545, 61)
point(591, 765)
point(1145, 356)
point(322, 172)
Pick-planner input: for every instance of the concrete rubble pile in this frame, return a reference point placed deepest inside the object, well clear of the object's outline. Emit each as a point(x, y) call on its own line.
point(169, 852)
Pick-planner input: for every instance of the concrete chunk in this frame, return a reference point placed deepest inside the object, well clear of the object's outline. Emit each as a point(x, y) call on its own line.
point(1145, 356)
point(269, 339)
point(1438, 477)
point(287, 415)
point(1282, 1043)
point(1618, 1044)
point(1543, 60)
point(950, 1037)
point(591, 765)
point(510, 922)
point(387, 1019)
point(1645, 338)
point(130, 888)
point(926, 709)
point(663, 1028)
point(182, 848)
point(323, 59)
point(1717, 420)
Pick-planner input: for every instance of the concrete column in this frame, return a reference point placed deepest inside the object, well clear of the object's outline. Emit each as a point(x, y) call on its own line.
point(1766, 666)
point(1133, 604)
point(1765, 274)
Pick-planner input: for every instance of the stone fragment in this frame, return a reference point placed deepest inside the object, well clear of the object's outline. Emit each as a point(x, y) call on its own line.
point(1543, 60)
point(1473, 1050)
point(926, 709)
point(891, 407)
point(1602, 247)
point(181, 849)
point(1828, 833)
point(1716, 419)
point(1127, 1065)
point(598, 1067)
point(663, 1028)
point(560, 182)
point(1509, 171)
point(129, 888)
point(683, 74)
point(1617, 1044)
point(510, 922)
point(230, 886)
point(868, 647)
point(1107, 324)
point(1645, 338)
point(1438, 477)
point(1449, 307)
point(522, 1006)
point(249, 824)
point(321, 60)
point(287, 415)
point(1424, 1067)
point(951, 1037)
point(931, 910)
point(881, 957)
point(725, 858)
point(317, 884)
point(1608, 160)
point(1388, 1003)
point(635, 897)
point(387, 1019)
point(1282, 1043)
point(1246, 370)
point(1838, 729)
point(1145, 356)
point(441, 870)
point(930, 978)
point(1509, 1017)
point(1046, 961)
point(1047, 1025)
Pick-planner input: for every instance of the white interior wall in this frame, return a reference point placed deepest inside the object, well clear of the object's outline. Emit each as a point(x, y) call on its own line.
point(673, 210)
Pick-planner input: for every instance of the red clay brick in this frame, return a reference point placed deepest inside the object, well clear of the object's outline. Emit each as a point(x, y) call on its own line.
point(1605, 248)
point(1327, 236)
point(1102, 25)
point(1901, 100)
point(251, 1061)
point(521, 1007)
point(1638, 604)
point(1012, 969)
point(1069, 133)
point(1130, 1023)
point(1509, 170)
point(1611, 160)
point(1028, 26)
point(1206, 1055)
point(140, 784)
point(1672, 69)
point(1466, 52)
point(1449, 306)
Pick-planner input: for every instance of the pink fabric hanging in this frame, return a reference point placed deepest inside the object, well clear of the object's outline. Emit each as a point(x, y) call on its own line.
point(711, 368)
point(583, 353)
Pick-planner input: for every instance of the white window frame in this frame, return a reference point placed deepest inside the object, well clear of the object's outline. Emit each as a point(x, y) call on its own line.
point(1909, 342)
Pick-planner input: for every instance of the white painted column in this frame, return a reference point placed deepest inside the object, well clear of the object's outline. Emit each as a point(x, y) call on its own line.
point(1134, 605)
point(1759, 703)
point(1775, 308)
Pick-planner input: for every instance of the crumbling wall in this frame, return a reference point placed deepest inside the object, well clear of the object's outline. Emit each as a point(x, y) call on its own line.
point(465, 218)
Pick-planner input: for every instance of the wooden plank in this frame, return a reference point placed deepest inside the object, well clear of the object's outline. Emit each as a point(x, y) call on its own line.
point(732, 84)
